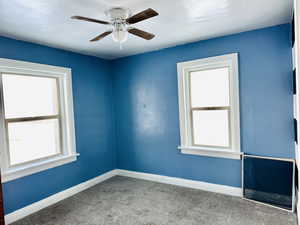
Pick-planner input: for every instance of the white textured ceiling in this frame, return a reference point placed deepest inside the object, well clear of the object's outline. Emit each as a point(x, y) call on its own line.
point(48, 22)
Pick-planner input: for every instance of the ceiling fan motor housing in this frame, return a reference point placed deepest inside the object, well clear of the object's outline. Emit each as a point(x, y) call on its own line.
point(118, 14)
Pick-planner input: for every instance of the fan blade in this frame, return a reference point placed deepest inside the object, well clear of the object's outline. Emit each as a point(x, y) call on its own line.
point(142, 34)
point(89, 19)
point(99, 37)
point(146, 14)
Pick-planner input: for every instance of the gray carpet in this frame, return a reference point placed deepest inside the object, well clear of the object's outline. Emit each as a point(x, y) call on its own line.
point(127, 201)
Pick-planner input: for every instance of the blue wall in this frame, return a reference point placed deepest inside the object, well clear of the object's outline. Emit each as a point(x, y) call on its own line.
point(145, 111)
point(94, 121)
point(146, 102)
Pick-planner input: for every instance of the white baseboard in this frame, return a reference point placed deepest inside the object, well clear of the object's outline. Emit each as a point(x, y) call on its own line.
point(30, 209)
point(218, 188)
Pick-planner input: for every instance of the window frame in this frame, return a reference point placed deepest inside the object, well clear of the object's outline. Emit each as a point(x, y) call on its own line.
point(65, 117)
point(185, 109)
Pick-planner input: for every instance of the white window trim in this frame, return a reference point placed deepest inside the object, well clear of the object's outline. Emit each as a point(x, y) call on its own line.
point(183, 68)
point(64, 76)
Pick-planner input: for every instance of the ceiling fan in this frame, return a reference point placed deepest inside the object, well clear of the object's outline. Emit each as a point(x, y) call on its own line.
point(120, 20)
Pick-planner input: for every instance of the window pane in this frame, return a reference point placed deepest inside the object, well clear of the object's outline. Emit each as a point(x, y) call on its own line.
point(210, 87)
point(29, 96)
point(33, 140)
point(211, 128)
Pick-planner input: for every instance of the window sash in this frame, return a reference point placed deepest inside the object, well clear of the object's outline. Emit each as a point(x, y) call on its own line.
point(34, 118)
point(227, 108)
point(206, 68)
point(58, 88)
point(29, 119)
point(192, 109)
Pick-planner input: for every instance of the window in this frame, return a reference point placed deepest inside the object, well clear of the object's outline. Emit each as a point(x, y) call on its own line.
point(209, 106)
point(37, 122)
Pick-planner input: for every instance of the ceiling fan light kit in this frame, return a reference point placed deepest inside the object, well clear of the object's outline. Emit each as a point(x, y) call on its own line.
point(120, 20)
point(118, 17)
point(120, 33)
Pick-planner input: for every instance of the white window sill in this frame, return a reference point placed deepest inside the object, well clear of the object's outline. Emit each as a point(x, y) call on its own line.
point(28, 169)
point(211, 152)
